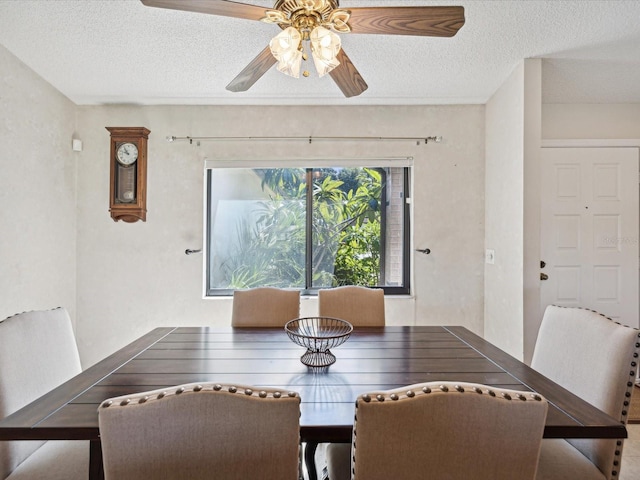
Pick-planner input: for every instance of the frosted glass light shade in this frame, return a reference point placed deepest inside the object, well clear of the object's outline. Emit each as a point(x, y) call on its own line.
point(285, 48)
point(325, 46)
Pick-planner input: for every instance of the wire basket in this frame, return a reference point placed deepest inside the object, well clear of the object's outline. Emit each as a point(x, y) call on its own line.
point(318, 335)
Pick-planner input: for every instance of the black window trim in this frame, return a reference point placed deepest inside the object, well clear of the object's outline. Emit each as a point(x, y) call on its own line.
point(405, 289)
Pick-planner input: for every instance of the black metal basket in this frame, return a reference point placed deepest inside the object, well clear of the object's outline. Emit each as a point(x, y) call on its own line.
point(318, 335)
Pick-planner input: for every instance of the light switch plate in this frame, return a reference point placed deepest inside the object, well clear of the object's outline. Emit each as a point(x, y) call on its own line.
point(490, 256)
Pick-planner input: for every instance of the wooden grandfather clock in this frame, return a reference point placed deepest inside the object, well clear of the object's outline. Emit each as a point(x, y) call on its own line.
point(128, 187)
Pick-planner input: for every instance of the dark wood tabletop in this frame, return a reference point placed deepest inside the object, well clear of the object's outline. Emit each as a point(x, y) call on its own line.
point(372, 359)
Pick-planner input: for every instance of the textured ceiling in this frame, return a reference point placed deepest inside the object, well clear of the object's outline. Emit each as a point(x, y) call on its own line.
point(119, 51)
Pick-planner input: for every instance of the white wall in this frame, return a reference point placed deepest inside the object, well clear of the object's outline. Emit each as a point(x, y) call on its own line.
point(504, 176)
point(531, 214)
point(61, 248)
point(133, 277)
point(512, 184)
point(590, 121)
point(37, 193)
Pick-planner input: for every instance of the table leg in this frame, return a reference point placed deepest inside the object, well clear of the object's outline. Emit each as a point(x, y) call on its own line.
point(96, 470)
point(310, 459)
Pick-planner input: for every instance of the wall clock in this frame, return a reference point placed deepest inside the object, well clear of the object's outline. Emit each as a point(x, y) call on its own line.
point(128, 179)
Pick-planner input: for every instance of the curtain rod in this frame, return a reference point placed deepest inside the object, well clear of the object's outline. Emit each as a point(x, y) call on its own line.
point(310, 139)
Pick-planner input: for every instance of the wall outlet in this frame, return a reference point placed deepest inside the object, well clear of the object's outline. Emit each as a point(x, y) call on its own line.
point(490, 256)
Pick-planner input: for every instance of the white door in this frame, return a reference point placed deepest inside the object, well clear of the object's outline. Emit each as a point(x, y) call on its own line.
point(589, 230)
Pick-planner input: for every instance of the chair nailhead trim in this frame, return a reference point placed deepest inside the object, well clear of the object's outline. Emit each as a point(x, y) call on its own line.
point(140, 399)
point(395, 396)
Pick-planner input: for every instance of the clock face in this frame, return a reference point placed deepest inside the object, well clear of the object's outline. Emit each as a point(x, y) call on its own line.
point(127, 153)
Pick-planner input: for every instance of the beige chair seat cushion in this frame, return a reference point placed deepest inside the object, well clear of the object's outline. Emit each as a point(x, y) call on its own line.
point(55, 460)
point(561, 461)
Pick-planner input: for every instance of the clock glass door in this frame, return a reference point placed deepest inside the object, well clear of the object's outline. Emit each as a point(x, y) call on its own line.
point(126, 183)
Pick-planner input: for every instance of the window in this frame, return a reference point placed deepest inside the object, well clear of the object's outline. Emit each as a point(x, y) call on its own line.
point(307, 227)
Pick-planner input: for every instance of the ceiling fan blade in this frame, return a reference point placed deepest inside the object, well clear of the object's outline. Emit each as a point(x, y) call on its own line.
point(347, 76)
point(252, 72)
point(421, 21)
point(213, 7)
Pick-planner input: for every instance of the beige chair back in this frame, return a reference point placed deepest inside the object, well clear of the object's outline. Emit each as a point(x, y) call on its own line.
point(360, 306)
point(38, 352)
point(447, 430)
point(201, 431)
point(596, 359)
point(264, 307)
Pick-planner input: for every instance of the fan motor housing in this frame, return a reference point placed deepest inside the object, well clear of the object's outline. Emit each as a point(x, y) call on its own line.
point(297, 8)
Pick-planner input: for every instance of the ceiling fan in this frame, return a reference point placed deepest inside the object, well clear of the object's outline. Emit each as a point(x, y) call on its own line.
point(315, 23)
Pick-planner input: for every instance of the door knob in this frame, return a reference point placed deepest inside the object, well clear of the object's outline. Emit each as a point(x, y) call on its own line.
point(543, 264)
point(544, 276)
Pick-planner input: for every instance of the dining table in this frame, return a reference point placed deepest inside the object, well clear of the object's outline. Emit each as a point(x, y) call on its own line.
point(373, 358)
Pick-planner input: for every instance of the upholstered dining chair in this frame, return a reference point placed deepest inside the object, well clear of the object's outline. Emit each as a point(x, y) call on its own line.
point(38, 352)
point(446, 430)
point(596, 359)
point(360, 306)
point(201, 431)
point(264, 307)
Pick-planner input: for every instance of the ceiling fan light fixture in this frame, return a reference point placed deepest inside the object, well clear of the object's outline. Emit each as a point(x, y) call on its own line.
point(285, 47)
point(325, 46)
point(291, 65)
point(339, 20)
point(275, 16)
point(313, 5)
